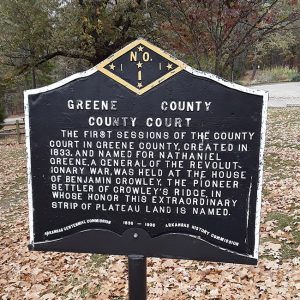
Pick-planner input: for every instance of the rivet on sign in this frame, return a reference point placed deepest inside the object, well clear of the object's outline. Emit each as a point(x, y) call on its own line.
point(135, 235)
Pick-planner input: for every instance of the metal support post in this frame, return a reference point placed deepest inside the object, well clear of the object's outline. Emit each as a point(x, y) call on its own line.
point(137, 277)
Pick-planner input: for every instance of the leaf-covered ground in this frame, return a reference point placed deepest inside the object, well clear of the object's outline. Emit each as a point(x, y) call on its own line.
point(46, 276)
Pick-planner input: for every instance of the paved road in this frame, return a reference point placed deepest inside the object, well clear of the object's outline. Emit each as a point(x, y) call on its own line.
point(282, 94)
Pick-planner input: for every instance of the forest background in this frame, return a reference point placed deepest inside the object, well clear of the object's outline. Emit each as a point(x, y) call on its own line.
point(246, 41)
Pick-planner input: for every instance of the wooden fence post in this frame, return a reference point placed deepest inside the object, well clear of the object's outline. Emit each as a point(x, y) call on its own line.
point(18, 131)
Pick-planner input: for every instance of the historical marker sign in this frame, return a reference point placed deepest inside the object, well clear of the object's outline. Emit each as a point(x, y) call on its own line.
point(145, 155)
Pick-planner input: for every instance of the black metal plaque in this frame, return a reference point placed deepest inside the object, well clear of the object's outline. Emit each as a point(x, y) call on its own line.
point(144, 155)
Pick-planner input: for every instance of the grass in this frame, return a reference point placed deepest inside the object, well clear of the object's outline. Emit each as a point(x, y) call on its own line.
point(272, 75)
point(277, 74)
point(281, 165)
point(11, 193)
point(97, 260)
point(84, 291)
point(272, 162)
point(14, 175)
point(296, 236)
point(282, 220)
point(276, 164)
point(288, 250)
point(266, 192)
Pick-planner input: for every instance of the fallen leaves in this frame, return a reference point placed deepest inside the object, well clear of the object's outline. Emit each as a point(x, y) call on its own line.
point(71, 276)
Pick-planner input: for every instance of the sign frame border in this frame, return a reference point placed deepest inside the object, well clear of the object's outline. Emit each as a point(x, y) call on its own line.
point(251, 259)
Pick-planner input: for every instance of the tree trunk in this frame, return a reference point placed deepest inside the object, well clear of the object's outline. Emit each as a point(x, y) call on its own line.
point(217, 66)
point(218, 69)
point(232, 71)
point(254, 68)
point(33, 77)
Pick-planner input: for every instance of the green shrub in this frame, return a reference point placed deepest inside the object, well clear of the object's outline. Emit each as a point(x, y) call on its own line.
point(276, 74)
point(296, 77)
point(240, 82)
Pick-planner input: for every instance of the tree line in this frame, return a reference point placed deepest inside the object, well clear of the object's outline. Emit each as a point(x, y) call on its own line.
point(42, 41)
